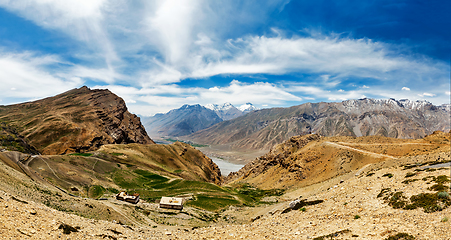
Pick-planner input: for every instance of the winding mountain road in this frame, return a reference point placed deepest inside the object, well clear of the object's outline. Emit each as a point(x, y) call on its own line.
point(377, 155)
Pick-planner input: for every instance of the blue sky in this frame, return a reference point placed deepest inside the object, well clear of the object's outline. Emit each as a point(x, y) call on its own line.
point(159, 55)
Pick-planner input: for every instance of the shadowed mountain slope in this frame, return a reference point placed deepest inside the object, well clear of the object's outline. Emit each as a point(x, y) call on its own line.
point(182, 121)
point(265, 128)
point(79, 120)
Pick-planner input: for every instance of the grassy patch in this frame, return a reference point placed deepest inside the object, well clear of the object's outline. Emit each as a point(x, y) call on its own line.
point(430, 202)
point(256, 194)
point(208, 196)
point(389, 175)
point(96, 191)
point(113, 190)
point(213, 202)
point(81, 154)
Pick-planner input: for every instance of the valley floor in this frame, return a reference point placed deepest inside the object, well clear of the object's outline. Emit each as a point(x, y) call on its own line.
point(351, 210)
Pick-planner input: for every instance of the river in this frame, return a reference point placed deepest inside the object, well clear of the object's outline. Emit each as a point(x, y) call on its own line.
point(226, 167)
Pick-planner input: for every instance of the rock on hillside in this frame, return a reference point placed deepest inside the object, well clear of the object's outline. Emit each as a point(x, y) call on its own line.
point(79, 120)
point(265, 128)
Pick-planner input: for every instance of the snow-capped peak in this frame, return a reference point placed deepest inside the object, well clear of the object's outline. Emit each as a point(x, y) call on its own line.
point(211, 106)
point(414, 105)
point(247, 107)
point(215, 107)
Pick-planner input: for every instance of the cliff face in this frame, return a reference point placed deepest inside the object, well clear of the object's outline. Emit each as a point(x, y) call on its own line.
point(79, 120)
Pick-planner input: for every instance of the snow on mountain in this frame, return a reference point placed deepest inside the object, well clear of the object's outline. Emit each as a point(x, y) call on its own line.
point(216, 107)
point(446, 107)
point(211, 106)
point(227, 111)
point(248, 107)
point(414, 105)
point(368, 104)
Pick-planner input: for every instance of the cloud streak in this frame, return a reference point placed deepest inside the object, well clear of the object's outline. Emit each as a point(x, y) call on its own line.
point(27, 76)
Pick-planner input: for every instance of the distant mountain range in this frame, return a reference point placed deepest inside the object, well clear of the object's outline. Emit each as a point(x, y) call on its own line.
point(191, 118)
point(265, 128)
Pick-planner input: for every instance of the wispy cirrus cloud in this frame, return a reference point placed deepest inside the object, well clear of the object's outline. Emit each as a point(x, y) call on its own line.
point(83, 20)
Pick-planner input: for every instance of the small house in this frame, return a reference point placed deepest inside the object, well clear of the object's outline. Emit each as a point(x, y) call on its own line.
point(171, 203)
point(123, 196)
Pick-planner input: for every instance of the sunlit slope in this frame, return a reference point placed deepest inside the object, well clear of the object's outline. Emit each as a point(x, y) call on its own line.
point(79, 120)
point(309, 159)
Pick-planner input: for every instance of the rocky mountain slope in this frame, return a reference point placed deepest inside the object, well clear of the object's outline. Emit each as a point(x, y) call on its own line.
point(182, 121)
point(310, 159)
point(265, 128)
point(189, 119)
point(79, 120)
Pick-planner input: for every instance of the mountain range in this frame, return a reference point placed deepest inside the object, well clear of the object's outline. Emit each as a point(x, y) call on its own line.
point(189, 119)
point(265, 128)
point(55, 154)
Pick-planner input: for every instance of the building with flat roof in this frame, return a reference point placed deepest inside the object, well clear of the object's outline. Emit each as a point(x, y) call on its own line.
point(171, 203)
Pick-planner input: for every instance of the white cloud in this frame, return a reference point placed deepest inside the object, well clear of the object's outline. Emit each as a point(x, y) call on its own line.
point(107, 75)
point(448, 93)
point(257, 93)
point(162, 98)
point(26, 75)
point(426, 95)
point(405, 89)
point(333, 58)
point(171, 24)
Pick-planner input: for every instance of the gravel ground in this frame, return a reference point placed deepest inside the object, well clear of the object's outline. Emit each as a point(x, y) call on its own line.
point(356, 196)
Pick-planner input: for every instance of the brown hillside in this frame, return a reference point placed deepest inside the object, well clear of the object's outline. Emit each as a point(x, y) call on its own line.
point(309, 159)
point(79, 120)
point(354, 209)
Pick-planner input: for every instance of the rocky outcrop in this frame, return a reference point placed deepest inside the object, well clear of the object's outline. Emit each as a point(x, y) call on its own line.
point(280, 156)
point(79, 120)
